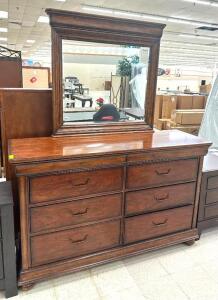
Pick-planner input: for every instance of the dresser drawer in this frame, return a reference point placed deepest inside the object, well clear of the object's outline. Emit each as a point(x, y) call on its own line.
point(75, 212)
point(162, 173)
point(74, 242)
point(211, 211)
point(212, 182)
point(54, 187)
point(157, 224)
point(212, 196)
point(159, 198)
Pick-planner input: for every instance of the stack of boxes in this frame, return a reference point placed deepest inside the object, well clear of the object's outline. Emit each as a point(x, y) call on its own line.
point(183, 112)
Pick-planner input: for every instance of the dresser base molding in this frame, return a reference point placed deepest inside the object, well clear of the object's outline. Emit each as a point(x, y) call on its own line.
point(37, 274)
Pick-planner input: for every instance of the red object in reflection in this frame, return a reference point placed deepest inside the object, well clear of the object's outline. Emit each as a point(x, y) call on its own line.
point(107, 118)
point(33, 79)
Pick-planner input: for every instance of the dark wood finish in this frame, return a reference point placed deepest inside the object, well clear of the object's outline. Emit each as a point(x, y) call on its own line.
point(11, 74)
point(8, 273)
point(52, 163)
point(163, 173)
point(75, 212)
point(102, 29)
point(24, 113)
point(61, 186)
point(159, 198)
point(74, 242)
point(157, 224)
point(208, 208)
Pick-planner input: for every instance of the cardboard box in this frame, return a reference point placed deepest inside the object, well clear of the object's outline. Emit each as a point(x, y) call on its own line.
point(158, 108)
point(205, 88)
point(184, 102)
point(198, 102)
point(169, 104)
point(161, 124)
point(187, 117)
point(192, 129)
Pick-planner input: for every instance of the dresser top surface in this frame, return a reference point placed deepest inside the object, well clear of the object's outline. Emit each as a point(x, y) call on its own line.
point(44, 148)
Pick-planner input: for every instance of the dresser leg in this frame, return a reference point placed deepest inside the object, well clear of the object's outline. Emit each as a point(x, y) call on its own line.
point(27, 287)
point(190, 243)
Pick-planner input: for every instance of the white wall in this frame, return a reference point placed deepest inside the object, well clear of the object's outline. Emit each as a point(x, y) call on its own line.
point(92, 76)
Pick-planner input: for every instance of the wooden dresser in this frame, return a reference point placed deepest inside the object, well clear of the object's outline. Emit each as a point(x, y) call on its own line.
point(208, 209)
point(90, 200)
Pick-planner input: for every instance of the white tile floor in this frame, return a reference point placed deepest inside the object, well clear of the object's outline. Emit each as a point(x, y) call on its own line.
point(174, 273)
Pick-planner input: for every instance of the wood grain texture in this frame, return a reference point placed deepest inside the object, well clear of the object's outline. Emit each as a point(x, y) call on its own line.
point(62, 186)
point(75, 212)
point(52, 148)
point(11, 72)
point(157, 224)
point(159, 198)
point(75, 242)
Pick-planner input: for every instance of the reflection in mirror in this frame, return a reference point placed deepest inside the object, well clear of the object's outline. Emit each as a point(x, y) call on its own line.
point(103, 82)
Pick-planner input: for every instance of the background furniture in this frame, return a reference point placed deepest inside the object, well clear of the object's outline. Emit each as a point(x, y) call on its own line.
point(11, 63)
point(36, 77)
point(8, 273)
point(114, 196)
point(208, 210)
point(24, 113)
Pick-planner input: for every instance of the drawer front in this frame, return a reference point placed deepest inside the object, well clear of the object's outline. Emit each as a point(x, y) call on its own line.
point(212, 182)
point(162, 173)
point(211, 211)
point(212, 196)
point(157, 224)
point(159, 198)
point(75, 212)
point(53, 187)
point(75, 242)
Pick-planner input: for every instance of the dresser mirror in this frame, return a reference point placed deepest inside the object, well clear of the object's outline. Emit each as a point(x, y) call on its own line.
point(103, 82)
point(104, 73)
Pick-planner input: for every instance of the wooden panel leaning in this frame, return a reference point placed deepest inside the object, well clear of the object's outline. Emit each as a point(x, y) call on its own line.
point(8, 273)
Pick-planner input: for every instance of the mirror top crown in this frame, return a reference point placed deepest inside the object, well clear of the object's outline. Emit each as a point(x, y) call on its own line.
point(73, 18)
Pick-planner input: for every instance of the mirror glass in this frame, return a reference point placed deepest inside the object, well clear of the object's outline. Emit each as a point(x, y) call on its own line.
point(103, 82)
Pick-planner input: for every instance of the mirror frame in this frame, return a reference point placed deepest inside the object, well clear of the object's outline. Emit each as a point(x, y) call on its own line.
point(102, 29)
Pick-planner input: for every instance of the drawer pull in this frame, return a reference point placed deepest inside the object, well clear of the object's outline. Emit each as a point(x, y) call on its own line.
point(161, 223)
point(80, 213)
point(162, 198)
point(79, 241)
point(163, 172)
point(81, 183)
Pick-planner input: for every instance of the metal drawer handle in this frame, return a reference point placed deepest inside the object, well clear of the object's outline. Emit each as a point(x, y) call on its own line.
point(161, 223)
point(162, 198)
point(81, 183)
point(80, 212)
point(79, 241)
point(163, 172)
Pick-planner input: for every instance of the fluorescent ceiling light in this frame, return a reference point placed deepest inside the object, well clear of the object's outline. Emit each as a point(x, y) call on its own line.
point(3, 29)
point(3, 39)
point(43, 19)
point(60, 0)
point(130, 14)
point(30, 41)
point(97, 9)
point(3, 14)
point(202, 2)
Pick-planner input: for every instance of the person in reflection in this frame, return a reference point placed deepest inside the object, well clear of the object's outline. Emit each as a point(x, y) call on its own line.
point(107, 112)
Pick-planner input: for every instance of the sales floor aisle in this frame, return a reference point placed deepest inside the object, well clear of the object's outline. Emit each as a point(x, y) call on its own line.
point(174, 273)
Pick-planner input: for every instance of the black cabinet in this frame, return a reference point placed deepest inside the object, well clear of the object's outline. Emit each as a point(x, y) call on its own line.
point(8, 274)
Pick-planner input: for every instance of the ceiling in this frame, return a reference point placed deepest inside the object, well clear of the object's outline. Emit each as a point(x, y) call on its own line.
point(182, 44)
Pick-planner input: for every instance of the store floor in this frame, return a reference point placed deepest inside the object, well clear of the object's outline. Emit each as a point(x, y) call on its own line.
point(174, 273)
